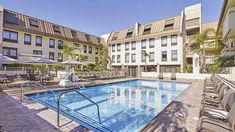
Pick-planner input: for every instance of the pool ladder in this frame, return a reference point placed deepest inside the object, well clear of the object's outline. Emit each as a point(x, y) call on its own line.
point(59, 97)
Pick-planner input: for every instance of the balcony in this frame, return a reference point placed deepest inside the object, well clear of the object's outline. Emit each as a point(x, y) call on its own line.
point(229, 24)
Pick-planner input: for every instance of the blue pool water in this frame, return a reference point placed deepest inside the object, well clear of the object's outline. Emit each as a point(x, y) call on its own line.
point(124, 106)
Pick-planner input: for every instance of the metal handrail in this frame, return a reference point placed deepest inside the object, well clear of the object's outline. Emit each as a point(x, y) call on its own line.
point(229, 83)
point(58, 105)
point(32, 82)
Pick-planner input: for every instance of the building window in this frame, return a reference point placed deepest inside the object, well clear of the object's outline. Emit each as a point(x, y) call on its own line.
point(51, 43)
point(10, 36)
point(33, 23)
point(143, 44)
point(147, 29)
point(98, 40)
point(113, 48)
point(118, 58)
point(84, 48)
point(129, 33)
point(164, 55)
point(37, 52)
point(60, 57)
point(118, 47)
point(56, 29)
point(51, 55)
point(90, 49)
point(143, 56)
point(151, 56)
point(127, 46)
point(60, 44)
point(164, 41)
point(133, 58)
point(10, 52)
point(38, 41)
point(74, 34)
point(96, 60)
point(133, 45)
point(88, 38)
point(10, 17)
point(115, 35)
point(174, 55)
point(127, 57)
point(96, 51)
point(173, 40)
point(113, 58)
point(151, 42)
point(27, 39)
point(169, 24)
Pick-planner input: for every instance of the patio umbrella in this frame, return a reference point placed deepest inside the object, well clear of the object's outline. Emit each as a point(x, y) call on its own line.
point(42, 61)
point(89, 62)
point(72, 62)
point(6, 59)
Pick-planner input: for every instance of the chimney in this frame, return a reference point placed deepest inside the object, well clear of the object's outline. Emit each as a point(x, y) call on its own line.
point(137, 28)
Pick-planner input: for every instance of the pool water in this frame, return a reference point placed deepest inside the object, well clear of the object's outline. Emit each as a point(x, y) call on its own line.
point(124, 106)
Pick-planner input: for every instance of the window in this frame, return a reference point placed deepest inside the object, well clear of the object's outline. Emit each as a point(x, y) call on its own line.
point(113, 58)
point(84, 48)
point(143, 56)
point(164, 55)
point(115, 35)
point(10, 17)
point(60, 44)
point(88, 38)
point(133, 58)
point(118, 47)
point(169, 24)
point(74, 34)
point(127, 46)
point(96, 59)
point(33, 23)
point(37, 52)
point(118, 58)
point(96, 50)
point(151, 56)
point(143, 44)
point(113, 48)
point(60, 57)
point(127, 57)
point(52, 43)
point(27, 39)
point(56, 29)
point(147, 29)
point(76, 45)
point(38, 41)
point(10, 36)
point(173, 40)
point(51, 55)
point(133, 45)
point(174, 55)
point(90, 49)
point(232, 44)
point(151, 42)
point(164, 41)
point(98, 40)
point(129, 33)
point(194, 31)
point(10, 52)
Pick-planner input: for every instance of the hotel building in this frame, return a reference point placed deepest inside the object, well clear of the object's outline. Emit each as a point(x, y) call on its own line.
point(162, 45)
point(23, 37)
point(226, 27)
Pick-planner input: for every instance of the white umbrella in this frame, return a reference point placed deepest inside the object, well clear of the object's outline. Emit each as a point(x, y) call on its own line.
point(89, 62)
point(6, 59)
point(72, 62)
point(42, 61)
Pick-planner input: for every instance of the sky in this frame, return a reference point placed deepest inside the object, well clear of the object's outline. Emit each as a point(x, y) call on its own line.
point(99, 17)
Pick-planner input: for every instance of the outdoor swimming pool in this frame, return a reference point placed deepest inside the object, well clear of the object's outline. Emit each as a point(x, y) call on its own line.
point(124, 106)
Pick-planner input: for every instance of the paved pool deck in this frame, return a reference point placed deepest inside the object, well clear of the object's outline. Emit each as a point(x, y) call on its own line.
point(31, 116)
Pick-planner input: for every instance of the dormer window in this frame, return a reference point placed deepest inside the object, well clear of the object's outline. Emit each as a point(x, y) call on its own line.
point(129, 33)
point(147, 29)
point(33, 23)
point(56, 29)
point(88, 38)
point(99, 40)
point(10, 17)
point(169, 24)
point(115, 35)
point(74, 34)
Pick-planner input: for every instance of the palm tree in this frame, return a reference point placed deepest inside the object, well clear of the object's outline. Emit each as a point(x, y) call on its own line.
point(69, 51)
point(145, 54)
point(203, 41)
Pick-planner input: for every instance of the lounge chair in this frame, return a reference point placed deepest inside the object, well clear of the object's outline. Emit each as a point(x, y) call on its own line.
point(160, 76)
point(173, 76)
point(217, 125)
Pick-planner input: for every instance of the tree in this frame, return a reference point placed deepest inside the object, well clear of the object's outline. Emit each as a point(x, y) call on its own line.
point(145, 54)
point(104, 57)
point(69, 51)
point(205, 41)
point(221, 63)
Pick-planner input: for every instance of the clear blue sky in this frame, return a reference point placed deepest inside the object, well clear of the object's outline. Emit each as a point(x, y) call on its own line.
point(102, 16)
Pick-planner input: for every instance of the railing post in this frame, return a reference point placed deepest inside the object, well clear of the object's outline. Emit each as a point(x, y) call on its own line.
point(21, 98)
point(58, 112)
